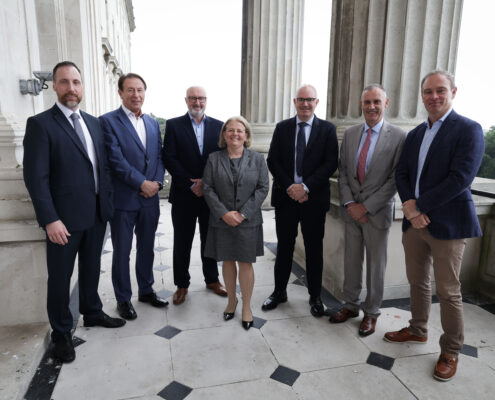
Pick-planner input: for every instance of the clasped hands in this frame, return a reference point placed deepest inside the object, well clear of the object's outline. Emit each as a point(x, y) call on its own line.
point(417, 219)
point(233, 218)
point(197, 187)
point(149, 189)
point(357, 211)
point(296, 192)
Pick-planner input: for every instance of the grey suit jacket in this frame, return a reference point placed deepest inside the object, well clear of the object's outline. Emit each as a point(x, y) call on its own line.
point(378, 189)
point(252, 187)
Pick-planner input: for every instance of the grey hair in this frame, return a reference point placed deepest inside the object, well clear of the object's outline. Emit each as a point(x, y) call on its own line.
point(373, 86)
point(446, 74)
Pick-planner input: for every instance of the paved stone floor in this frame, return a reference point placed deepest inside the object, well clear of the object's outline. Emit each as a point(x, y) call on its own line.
point(188, 351)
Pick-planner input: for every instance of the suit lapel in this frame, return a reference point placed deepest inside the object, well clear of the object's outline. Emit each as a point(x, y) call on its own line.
point(149, 135)
point(315, 131)
point(442, 132)
point(381, 144)
point(353, 147)
point(225, 162)
point(59, 117)
point(189, 130)
point(92, 132)
point(245, 160)
point(125, 121)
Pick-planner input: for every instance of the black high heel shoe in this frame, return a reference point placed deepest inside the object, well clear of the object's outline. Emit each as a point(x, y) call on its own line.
point(247, 324)
point(227, 316)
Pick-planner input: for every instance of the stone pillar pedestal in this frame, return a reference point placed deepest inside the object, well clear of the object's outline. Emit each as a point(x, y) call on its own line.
point(394, 43)
point(271, 64)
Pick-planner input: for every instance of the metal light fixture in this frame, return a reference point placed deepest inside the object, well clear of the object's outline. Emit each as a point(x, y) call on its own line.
point(35, 86)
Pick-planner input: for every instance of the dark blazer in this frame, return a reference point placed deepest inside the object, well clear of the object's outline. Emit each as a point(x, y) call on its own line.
point(58, 172)
point(130, 163)
point(252, 188)
point(451, 164)
point(182, 157)
point(320, 161)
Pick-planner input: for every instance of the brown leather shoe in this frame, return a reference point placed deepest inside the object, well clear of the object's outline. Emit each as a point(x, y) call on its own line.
point(367, 326)
point(180, 296)
point(403, 336)
point(343, 315)
point(446, 367)
point(217, 288)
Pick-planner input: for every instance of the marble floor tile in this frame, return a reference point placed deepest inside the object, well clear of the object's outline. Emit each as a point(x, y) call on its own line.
point(473, 380)
point(116, 369)
point(308, 343)
point(361, 381)
point(258, 389)
point(220, 355)
point(487, 355)
point(296, 305)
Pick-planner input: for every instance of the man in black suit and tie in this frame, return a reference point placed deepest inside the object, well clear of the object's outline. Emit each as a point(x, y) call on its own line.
point(66, 174)
point(303, 155)
point(188, 142)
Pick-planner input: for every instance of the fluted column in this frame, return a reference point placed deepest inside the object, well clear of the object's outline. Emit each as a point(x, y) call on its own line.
point(392, 42)
point(271, 63)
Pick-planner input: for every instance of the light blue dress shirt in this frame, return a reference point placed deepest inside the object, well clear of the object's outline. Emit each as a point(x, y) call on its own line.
point(430, 133)
point(375, 133)
point(307, 131)
point(199, 131)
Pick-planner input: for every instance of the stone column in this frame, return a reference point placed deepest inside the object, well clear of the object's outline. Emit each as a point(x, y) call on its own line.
point(392, 42)
point(271, 64)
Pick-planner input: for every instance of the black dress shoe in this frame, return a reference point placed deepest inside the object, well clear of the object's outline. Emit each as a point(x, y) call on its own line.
point(317, 309)
point(103, 320)
point(227, 316)
point(126, 310)
point(153, 299)
point(274, 300)
point(63, 349)
point(247, 324)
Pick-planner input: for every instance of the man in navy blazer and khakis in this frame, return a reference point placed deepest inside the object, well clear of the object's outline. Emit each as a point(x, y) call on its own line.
point(438, 164)
point(67, 176)
point(188, 142)
point(133, 142)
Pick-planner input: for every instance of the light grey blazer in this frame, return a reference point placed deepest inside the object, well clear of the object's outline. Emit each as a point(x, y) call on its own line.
point(378, 189)
point(252, 187)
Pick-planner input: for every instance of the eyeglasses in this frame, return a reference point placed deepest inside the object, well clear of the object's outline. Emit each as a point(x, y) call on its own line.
point(194, 99)
point(305, 99)
point(232, 130)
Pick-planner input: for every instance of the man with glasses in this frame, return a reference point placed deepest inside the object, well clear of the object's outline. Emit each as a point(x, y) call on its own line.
point(303, 155)
point(188, 141)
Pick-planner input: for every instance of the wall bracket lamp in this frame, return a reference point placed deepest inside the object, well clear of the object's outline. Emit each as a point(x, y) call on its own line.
point(35, 86)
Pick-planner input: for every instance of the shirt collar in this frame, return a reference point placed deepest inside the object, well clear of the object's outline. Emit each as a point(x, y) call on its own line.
point(194, 121)
point(309, 122)
point(129, 113)
point(66, 110)
point(441, 119)
point(377, 128)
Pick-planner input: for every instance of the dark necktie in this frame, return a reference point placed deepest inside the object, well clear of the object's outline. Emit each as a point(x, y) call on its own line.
point(300, 147)
point(361, 168)
point(78, 128)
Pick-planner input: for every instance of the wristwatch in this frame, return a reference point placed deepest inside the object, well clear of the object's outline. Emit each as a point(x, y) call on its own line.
point(160, 185)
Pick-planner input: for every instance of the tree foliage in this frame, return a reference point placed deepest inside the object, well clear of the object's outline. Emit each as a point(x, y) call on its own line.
point(161, 122)
point(487, 169)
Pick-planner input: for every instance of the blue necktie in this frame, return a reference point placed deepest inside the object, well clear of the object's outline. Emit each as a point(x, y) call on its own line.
point(300, 147)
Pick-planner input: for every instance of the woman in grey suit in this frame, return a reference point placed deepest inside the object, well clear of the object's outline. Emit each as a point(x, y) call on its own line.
point(235, 183)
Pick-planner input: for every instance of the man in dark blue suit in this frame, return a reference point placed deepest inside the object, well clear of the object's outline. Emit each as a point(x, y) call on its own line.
point(66, 174)
point(134, 143)
point(303, 155)
point(438, 164)
point(188, 142)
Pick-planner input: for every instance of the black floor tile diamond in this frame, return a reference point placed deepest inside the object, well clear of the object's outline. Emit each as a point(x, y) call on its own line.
point(175, 391)
point(77, 341)
point(381, 361)
point(161, 267)
point(168, 332)
point(258, 322)
point(160, 249)
point(285, 375)
point(469, 351)
point(298, 282)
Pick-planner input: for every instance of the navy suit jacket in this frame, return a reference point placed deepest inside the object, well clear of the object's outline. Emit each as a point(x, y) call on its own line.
point(130, 162)
point(58, 172)
point(320, 161)
point(182, 157)
point(451, 164)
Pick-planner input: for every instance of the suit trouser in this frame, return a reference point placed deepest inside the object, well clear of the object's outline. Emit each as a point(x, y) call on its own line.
point(144, 222)
point(421, 249)
point(312, 219)
point(87, 244)
point(359, 237)
point(184, 216)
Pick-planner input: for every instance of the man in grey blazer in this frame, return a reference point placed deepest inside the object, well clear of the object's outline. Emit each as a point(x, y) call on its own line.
point(368, 157)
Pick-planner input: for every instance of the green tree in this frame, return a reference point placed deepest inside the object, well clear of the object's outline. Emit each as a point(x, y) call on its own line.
point(487, 169)
point(161, 122)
